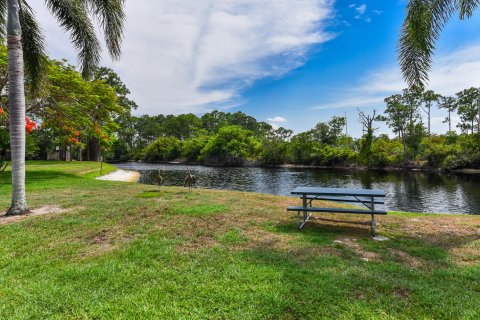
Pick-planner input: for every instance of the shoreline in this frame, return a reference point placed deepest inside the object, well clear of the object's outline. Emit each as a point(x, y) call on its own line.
point(121, 175)
point(472, 171)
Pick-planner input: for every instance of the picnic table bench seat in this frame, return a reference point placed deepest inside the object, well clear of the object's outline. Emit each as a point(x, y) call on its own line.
point(336, 210)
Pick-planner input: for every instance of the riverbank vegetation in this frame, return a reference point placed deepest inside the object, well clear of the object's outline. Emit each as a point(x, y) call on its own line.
point(102, 249)
point(74, 118)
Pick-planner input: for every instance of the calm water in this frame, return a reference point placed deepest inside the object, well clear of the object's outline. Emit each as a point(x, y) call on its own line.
point(411, 191)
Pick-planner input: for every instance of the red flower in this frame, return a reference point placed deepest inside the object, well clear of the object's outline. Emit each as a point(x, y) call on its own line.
point(30, 125)
point(77, 133)
point(2, 112)
point(74, 140)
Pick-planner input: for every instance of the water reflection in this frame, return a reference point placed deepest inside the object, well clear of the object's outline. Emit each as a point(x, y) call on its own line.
point(406, 191)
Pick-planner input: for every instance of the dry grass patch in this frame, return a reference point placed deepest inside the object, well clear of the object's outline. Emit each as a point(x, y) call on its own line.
point(408, 259)
point(353, 245)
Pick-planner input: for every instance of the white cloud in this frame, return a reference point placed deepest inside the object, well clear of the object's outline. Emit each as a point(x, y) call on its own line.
point(277, 119)
point(451, 73)
point(185, 56)
point(361, 9)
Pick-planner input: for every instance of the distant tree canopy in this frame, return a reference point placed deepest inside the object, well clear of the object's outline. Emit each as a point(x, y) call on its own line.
point(93, 118)
point(235, 138)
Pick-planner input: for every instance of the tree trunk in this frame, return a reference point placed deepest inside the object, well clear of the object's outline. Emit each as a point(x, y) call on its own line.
point(429, 108)
point(405, 156)
point(478, 111)
point(449, 121)
point(16, 100)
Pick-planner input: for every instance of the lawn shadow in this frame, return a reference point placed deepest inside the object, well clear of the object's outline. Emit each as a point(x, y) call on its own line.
point(35, 177)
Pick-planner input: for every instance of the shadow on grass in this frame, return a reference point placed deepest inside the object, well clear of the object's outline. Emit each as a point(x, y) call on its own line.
point(35, 177)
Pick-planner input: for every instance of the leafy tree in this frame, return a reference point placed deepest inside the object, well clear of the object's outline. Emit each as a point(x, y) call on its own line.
point(213, 121)
point(192, 148)
point(121, 90)
point(301, 148)
point(148, 129)
point(421, 29)
point(436, 150)
point(386, 152)
point(182, 126)
point(23, 32)
point(163, 149)
point(449, 104)
point(328, 133)
point(397, 118)
point(232, 145)
point(275, 146)
point(468, 109)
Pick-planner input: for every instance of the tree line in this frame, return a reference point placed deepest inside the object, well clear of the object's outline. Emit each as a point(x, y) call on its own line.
point(236, 138)
point(92, 118)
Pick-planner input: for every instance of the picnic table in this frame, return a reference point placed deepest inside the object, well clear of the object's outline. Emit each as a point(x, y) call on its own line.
point(367, 198)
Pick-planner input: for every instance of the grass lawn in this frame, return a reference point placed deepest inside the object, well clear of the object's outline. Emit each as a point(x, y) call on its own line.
point(122, 250)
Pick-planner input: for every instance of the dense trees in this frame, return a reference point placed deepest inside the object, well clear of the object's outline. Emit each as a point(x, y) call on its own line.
point(94, 117)
point(79, 116)
point(235, 139)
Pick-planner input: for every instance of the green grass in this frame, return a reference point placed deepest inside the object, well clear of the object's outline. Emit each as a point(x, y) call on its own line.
point(129, 251)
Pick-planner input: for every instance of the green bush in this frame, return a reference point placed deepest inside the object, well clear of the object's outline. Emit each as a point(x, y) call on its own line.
point(163, 149)
point(232, 145)
point(386, 152)
point(192, 148)
point(435, 151)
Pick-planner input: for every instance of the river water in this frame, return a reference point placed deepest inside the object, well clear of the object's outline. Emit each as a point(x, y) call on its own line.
point(406, 191)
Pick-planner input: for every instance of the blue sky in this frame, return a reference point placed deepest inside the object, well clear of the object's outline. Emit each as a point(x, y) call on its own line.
point(292, 63)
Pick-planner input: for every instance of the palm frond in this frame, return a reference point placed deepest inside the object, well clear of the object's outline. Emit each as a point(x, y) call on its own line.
point(421, 29)
point(112, 17)
point(33, 42)
point(467, 7)
point(3, 19)
point(73, 17)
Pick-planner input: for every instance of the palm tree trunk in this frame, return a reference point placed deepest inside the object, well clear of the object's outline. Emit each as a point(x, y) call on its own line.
point(16, 100)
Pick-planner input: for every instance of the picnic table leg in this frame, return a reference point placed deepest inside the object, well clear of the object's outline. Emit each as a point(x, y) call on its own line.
point(373, 224)
point(304, 212)
point(298, 219)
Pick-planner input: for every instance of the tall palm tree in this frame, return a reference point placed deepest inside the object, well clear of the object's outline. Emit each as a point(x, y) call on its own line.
point(26, 52)
point(421, 29)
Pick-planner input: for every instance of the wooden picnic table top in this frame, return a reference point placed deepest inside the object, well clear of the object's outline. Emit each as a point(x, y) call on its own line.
point(338, 192)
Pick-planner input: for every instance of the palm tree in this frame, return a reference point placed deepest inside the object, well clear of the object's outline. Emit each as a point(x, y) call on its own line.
point(421, 29)
point(25, 43)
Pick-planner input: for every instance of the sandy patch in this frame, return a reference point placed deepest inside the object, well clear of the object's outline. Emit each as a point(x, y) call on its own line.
point(121, 175)
point(35, 212)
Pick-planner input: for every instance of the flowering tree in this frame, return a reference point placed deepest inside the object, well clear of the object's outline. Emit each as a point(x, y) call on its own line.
point(30, 125)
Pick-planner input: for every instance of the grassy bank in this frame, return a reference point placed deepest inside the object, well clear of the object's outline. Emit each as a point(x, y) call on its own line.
point(121, 250)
